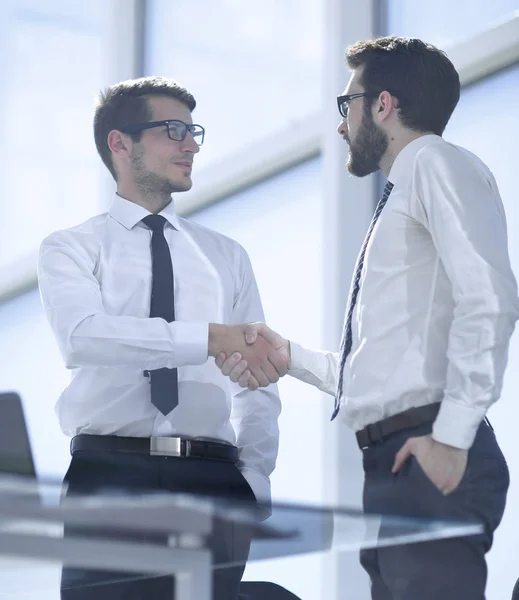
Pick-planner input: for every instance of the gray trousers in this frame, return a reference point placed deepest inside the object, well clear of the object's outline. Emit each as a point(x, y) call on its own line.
point(450, 569)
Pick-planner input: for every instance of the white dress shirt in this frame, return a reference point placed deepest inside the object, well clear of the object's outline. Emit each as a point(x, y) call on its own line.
point(437, 303)
point(95, 284)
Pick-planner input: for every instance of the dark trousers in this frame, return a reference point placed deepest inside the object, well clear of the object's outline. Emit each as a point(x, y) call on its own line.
point(449, 569)
point(91, 472)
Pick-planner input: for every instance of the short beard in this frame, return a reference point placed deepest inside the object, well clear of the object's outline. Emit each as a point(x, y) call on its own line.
point(367, 150)
point(150, 183)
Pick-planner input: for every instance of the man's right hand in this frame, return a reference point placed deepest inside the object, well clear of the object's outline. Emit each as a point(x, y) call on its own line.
point(238, 368)
point(260, 359)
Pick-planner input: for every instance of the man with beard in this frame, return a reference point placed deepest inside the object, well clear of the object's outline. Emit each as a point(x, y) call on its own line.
point(432, 306)
point(138, 298)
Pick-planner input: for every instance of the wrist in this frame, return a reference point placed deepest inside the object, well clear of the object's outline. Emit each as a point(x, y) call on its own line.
point(444, 445)
point(214, 339)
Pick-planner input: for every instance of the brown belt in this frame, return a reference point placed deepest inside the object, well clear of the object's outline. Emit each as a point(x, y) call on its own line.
point(413, 417)
point(157, 446)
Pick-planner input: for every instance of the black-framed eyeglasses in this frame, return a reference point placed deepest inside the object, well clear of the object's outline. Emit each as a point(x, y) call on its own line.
point(177, 130)
point(343, 102)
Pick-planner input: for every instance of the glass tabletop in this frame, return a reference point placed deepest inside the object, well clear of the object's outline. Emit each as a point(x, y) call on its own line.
point(166, 533)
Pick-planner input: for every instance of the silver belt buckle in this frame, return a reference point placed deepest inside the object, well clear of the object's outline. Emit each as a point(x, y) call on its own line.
point(166, 446)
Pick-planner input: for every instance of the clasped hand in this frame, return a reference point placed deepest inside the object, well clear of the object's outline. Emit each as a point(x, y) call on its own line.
point(252, 355)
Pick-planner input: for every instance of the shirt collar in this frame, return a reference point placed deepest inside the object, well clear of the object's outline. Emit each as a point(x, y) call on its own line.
point(129, 214)
point(404, 160)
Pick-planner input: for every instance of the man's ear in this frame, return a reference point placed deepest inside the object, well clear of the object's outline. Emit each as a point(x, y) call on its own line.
point(119, 144)
point(385, 104)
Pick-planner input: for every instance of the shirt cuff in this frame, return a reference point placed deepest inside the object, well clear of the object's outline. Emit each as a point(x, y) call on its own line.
point(192, 341)
point(260, 486)
point(297, 358)
point(457, 424)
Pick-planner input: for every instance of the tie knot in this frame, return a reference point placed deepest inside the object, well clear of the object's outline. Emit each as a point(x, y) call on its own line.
point(155, 222)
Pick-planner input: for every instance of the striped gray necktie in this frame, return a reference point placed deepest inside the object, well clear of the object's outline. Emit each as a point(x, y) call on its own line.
point(347, 339)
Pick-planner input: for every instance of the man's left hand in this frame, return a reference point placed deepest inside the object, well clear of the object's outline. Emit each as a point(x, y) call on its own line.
point(444, 465)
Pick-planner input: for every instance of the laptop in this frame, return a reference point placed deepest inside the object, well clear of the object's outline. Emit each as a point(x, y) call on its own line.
point(15, 447)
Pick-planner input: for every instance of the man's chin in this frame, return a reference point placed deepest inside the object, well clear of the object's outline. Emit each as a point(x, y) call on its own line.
point(360, 170)
point(182, 186)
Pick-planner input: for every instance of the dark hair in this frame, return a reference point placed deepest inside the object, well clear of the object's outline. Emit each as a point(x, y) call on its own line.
point(126, 103)
point(420, 75)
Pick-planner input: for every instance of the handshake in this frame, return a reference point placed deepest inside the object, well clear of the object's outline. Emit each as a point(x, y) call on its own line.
point(252, 355)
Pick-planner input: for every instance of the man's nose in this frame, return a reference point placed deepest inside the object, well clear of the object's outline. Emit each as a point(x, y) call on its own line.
point(342, 128)
point(189, 144)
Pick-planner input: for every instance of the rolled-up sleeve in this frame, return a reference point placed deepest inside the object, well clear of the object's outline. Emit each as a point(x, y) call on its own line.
point(456, 199)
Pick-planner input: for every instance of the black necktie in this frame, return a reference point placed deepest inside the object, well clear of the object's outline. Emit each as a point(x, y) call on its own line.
point(163, 382)
point(347, 339)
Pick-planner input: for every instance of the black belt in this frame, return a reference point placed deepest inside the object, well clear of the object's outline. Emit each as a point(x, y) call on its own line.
point(157, 446)
point(414, 417)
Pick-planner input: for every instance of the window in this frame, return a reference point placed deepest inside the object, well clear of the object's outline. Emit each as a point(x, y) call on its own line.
point(254, 68)
point(32, 366)
point(50, 173)
point(444, 22)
